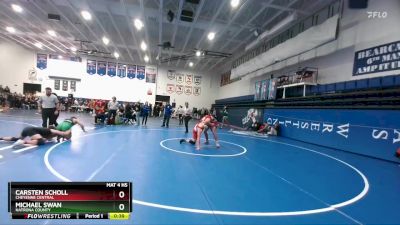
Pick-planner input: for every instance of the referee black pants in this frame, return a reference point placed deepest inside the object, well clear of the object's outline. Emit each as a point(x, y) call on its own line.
point(48, 115)
point(187, 118)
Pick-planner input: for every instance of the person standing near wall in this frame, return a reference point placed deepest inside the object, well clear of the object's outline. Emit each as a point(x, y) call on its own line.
point(49, 107)
point(224, 117)
point(187, 116)
point(112, 106)
point(179, 111)
point(167, 115)
point(137, 112)
point(145, 113)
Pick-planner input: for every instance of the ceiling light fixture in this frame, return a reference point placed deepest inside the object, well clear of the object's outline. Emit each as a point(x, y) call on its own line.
point(191, 64)
point(60, 56)
point(73, 49)
point(138, 24)
point(146, 58)
point(86, 15)
point(52, 33)
point(17, 8)
point(39, 45)
point(105, 40)
point(198, 53)
point(116, 55)
point(143, 46)
point(10, 29)
point(211, 36)
point(235, 3)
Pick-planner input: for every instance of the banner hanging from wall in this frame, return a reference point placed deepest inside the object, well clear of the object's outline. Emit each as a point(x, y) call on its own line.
point(377, 59)
point(141, 72)
point(57, 85)
point(111, 69)
point(65, 85)
point(101, 68)
point(272, 89)
point(257, 91)
point(189, 79)
point(179, 78)
point(41, 61)
point(151, 73)
point(179, 89)
point(73, 86)
point(171, 74)
point(196, 91)
point(131, 74)
point(170, 88)
point(197, 80)
point(91, 67)
point(264, 90)
point(121, 72)
point(188, 90)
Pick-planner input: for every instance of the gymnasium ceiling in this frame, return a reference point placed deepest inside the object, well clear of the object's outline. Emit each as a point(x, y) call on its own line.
point(114, 19)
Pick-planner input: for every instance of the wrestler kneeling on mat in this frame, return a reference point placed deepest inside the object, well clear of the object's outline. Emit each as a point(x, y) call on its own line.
point(39, 135)
point(206, 123)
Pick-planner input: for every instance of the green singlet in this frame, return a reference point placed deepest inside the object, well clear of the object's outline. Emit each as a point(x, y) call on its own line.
point(65, 125)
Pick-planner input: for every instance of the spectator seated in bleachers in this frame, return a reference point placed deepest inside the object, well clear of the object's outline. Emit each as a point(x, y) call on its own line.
point(272, 130)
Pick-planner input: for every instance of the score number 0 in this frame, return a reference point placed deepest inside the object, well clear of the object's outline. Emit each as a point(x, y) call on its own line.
point(121, 206)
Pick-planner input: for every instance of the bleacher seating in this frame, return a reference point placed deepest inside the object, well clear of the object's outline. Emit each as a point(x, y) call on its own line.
point(370, 92)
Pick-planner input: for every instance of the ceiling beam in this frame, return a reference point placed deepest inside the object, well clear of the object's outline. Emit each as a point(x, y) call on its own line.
point(119, 34)
point(77, 13)
point(220, 33)
point(25, 27)
point(130, 22)
point(83, 36)
point(54, 39)
point(248, 38)
point(177, 19)
point(198, 12)
point(8, 38)
point(146, 34)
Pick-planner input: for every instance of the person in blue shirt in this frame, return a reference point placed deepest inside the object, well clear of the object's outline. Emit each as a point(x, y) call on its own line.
point(168, 110)
point(145, 113)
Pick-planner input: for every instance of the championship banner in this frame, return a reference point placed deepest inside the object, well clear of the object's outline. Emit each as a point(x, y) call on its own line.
point(170, 88)
point(73, 86)
point(140, 72)
point(257, 91)
point(179, 78)
point(189, 79)
point(377, 59)
point(131, 72)
point(179, 89)
point(91, 67)
point(41, 61)
point(111, 69)
point(65, 85)
point(121, 72)
point(196, 91)
point(57, 85)
point(151, 73)
point(264, 89)
point(188, 90)
point(101, 68)
point(272, 89)
point(197, 80)
point(171, 74)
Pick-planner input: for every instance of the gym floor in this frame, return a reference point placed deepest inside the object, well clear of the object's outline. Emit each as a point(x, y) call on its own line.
point(249, 180)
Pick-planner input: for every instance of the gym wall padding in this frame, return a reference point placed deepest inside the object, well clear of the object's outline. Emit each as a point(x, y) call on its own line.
point(374, 133)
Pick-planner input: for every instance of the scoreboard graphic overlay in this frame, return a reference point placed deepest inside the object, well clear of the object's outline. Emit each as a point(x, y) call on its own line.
point(70, 200)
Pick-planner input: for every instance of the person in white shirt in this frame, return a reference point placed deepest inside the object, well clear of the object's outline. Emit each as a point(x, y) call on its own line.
point(179, 111)
point(187, 116)
point(113, 106)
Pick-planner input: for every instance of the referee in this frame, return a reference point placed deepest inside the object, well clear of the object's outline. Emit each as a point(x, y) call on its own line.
point(49, 108)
